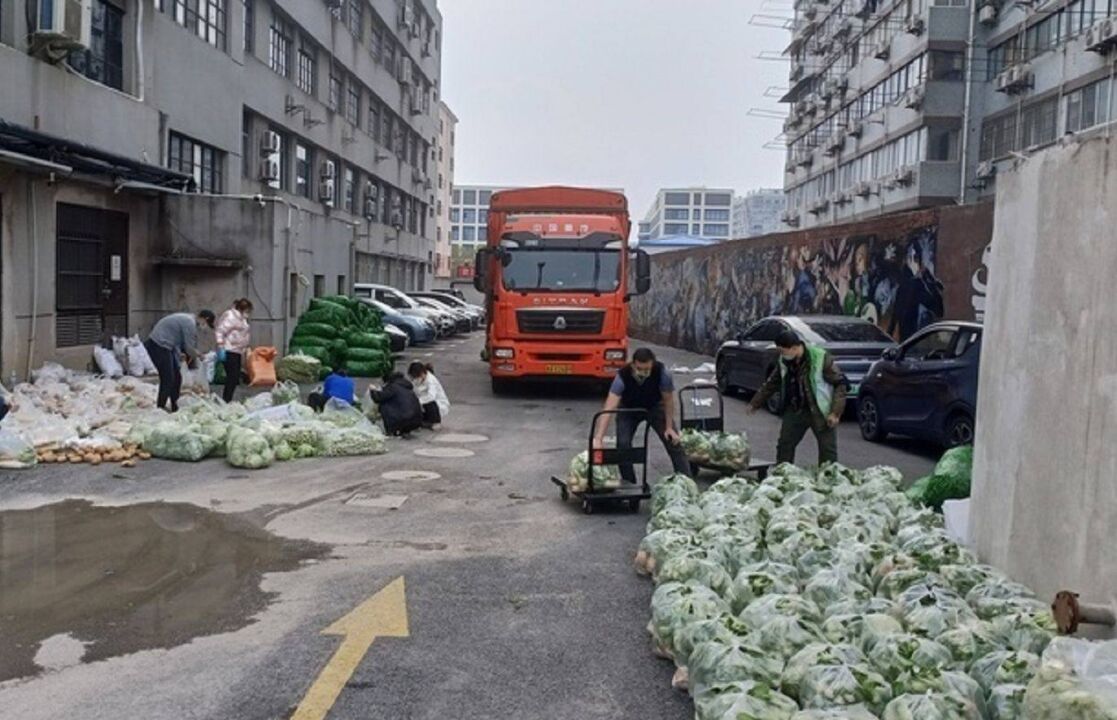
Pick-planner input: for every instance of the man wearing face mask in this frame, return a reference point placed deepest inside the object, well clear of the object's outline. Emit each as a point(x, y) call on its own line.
point(812, 397)
point(643, 384)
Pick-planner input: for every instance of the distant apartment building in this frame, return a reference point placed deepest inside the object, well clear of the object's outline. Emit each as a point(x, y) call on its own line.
point(444, 187)
point(698, 212)
point(469, 216)
point(900, 104)
point(758, 213)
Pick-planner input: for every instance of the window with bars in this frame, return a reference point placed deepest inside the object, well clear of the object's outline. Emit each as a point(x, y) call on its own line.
point(306, 79)
point(373, 117)
point(205, 18)
point(279, 46)
point(1088, 106)
point(249, 25)
point(1038, 123)
point(349, 189)
point(103, 60)
point(198, 160)
point(353, 102)
point(354, 17)
point(304, 162)
point(376, 41)
point(334, 99)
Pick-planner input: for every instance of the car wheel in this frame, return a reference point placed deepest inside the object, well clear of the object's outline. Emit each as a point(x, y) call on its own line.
point(959, 430)
point(722, 376)
point(774, 403)
point(868, 417)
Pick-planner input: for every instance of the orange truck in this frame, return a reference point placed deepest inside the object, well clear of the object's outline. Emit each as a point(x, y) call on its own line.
point(555, 273)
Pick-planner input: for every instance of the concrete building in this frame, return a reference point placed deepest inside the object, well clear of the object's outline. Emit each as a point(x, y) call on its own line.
point(300, 134)
point(877, 96)
point(899, 105)
point(760, 212)
point(469, 216)
point(447, 137)
point(698, 211)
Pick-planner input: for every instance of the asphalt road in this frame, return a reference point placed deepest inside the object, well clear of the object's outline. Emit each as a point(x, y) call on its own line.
point(517, 606)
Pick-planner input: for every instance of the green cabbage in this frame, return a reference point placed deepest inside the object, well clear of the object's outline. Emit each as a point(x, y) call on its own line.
point(175, 440)
point(605, 477)
point(744, 700)
point(1006, 702)
point(721, 661)
point(816, 654)
point(760, 579)
point(248, 449)
point(931, 706)
point(896, 654)
point(676, 605)
point(836, 685)
point(1004, 668)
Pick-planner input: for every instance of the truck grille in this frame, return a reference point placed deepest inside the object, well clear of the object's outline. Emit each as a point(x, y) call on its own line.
point(560, 321)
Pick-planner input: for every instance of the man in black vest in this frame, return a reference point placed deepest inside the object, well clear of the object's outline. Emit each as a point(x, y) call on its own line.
point(643, 384)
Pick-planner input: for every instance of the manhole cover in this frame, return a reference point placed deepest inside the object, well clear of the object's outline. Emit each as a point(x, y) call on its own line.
point(461, 438)
point(410, 475)
point(448, 452)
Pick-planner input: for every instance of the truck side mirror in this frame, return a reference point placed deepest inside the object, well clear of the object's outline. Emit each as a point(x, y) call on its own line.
point(892, 354)
point(643, 273)
point(481, 270)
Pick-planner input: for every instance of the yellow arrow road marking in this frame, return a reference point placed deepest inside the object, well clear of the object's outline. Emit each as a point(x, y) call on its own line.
point(382, 615)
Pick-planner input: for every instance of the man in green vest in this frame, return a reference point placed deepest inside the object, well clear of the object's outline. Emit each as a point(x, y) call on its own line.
point(812, 397)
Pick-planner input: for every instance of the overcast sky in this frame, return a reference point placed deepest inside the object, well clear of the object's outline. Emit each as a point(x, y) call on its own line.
point(639, 94)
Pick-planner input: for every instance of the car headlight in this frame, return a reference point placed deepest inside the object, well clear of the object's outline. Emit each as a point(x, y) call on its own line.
point(504, 353)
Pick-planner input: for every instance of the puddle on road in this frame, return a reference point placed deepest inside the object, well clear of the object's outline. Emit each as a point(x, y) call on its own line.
point(124, 579)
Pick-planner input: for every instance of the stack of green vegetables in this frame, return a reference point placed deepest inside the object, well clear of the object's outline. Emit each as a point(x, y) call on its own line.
point(339, 331)
point(605, 477)
point(949, 481)
point(210, 428)
point(829, 595)
point(729, 451)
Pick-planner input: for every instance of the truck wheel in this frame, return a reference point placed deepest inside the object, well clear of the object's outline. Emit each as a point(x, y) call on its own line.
point(501, 386)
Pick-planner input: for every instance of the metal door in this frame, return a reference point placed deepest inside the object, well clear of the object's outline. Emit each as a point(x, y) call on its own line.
point(91, 279)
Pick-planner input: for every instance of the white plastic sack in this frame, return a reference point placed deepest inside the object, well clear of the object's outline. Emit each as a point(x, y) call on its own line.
point(136, 349)
point(15, 452)
point(956, 513)
point(107, 363)
point(208, 364)
point(194, 380)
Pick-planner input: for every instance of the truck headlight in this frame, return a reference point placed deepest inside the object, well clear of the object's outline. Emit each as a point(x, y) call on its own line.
point(504, 353)
point(615, 355)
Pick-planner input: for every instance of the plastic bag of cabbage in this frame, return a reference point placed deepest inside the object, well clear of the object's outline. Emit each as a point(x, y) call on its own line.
point(1077, 679)
point(830, 590)
point(605, 477)
point(248, 449)
point(718, 449)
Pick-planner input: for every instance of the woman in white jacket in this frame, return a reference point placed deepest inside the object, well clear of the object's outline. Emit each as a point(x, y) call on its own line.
point(436, 406)
point(233, 338)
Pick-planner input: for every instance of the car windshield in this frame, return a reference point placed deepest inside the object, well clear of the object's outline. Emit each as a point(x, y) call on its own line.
point(558, 270)
point(851, 332)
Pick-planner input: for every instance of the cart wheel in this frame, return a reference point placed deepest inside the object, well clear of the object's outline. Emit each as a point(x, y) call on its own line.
point(587, 507)
point(564, 494)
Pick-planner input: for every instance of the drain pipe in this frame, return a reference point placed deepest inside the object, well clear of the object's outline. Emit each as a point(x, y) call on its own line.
point(1069, 613)
point(140, 51)
point(32, 233)
point(966, 106)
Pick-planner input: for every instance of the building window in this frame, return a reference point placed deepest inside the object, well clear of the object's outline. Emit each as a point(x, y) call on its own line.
point(675, 228)
point(373, 117)
point(482, 216)
point(279, 46)
point(199, 161)
point(334, 98)
point(308, 67)
point(676, 214)
point(947, 65)
point(1088, 106)
point(354, 17)
point(455, 214)
point(329, 171)
point(376, 41)
point(457, 197)
point(484, 197)
point(720, 230)
point(470, 197)
point(716, 215)
point(353, 102)
point(205, 17)
point(349, 189)
point(455, 234)
point(103, 60)
point(304, 161)
point(249, 25)
point(679, 198)
point(942, 144)
point(717, 199)
point(278, 155)
point(1037, 123)
point(319, 285)
point(469, 233)
point(469, 215)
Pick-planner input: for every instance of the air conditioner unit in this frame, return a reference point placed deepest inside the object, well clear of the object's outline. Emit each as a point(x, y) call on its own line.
point(842, 84)
point(905, 176)
point(326, 191)
point(62, 25)
point(269, 143)
point(372, 194)
point(916, 26)
point(396, 219)
point(987, 15)
point(1004, 80)
point(427, 49)
point(890, 183)
point(406, 15)
point(1102, 36)
point(827, 90)
point(986, 170)
point(810, 12)
point(269, 170)
point(835, 144)
point(863, 189)
point(882, 50)
point(805, 158)
point(327, 170)
point(845, 27)
point(856, 130)
point(914, 98)
point(790, 219)
point(1022, 78)
point(404, 74)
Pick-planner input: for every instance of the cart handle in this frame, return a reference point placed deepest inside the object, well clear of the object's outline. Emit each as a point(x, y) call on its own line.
point(701, 423)
point(633, 456)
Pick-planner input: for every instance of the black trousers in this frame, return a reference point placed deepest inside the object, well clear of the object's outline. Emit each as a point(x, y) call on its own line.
point(170, 376)
point(431, 414)
point(317, 401)
point(626, 430)
point(232, 374)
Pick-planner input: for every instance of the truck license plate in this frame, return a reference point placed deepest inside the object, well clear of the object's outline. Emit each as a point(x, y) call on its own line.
point(559, 369)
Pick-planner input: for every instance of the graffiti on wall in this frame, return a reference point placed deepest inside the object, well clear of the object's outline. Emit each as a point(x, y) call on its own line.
point(701, 299)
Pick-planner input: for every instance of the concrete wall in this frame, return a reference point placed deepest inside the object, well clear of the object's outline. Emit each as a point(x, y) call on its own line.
point(1045, 499)
point(702, 297)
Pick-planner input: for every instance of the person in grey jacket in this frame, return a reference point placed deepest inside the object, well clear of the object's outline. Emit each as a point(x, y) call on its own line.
point(172, 337)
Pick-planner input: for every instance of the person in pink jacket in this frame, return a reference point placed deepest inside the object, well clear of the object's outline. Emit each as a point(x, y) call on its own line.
point(233, 338)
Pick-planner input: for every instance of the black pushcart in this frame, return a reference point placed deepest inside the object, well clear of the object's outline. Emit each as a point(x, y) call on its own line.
point(627, 496)
point(701, 407)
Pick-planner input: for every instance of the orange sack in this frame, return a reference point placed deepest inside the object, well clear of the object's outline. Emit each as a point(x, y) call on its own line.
point(261, 366)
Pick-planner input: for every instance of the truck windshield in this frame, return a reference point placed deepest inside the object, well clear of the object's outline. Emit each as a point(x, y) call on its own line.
point(532, 269)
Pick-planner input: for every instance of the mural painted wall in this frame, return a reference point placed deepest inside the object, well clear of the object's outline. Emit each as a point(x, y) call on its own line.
point(899, 272)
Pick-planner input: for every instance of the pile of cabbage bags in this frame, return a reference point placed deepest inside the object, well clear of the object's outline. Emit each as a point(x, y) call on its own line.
point(829, 595)
point(1077, 680)
point(605, 477)
point(729, 451)
point(340, 331)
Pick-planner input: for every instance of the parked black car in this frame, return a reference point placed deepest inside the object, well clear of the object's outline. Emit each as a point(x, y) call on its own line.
point(745, 363)
point(925, 388)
